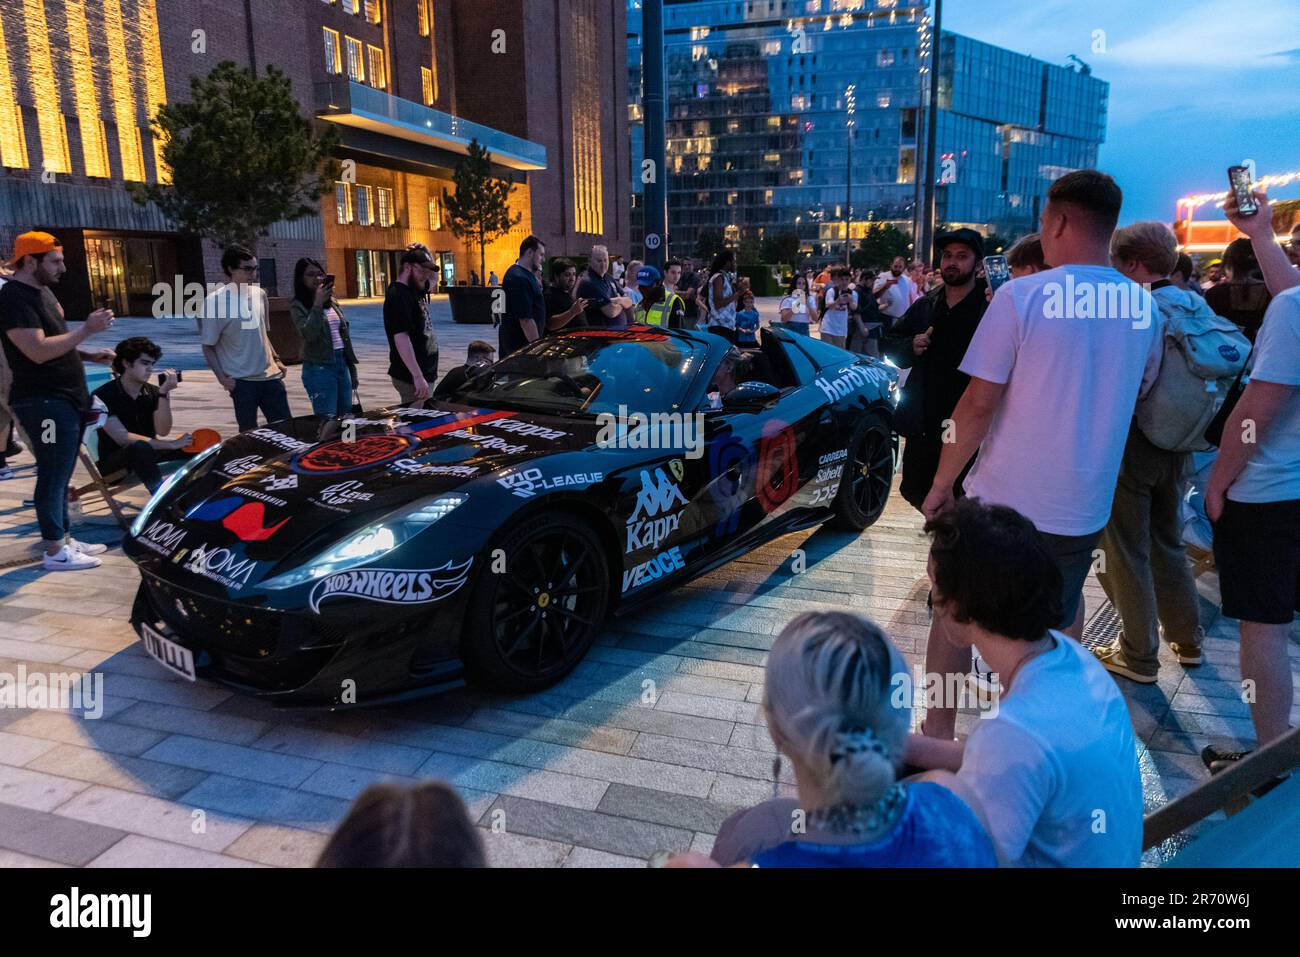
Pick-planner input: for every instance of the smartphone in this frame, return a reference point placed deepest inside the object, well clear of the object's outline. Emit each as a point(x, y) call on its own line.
point(996, 271)
point(1239, 180)
point(162, 377)
point(329, 279)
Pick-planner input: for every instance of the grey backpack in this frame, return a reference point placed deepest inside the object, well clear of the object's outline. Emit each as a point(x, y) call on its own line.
point(1203, 354)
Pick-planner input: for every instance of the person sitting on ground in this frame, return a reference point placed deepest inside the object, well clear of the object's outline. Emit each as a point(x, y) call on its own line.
point(478, 357)
point(1055, 770)
point(833, 708)
point(389, 825)
point(136, 435)
point(747, 322)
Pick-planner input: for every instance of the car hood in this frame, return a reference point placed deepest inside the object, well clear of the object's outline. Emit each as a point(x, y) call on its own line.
point(299, 485)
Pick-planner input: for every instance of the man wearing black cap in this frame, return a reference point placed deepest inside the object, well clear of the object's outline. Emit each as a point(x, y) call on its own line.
point(931, 339)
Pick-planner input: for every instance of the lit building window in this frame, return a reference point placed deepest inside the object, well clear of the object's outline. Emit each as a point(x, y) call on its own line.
point(767, 197)
point(699, 52)
point(771, 157)
point(885, 58)
point(426, 85)
point(365, 206)
point(795, 175)
point(774, 122)
point(906, 165)
point(353, 6)
point(699, 33)
point(333, 56)
point(799, 102)
point(372, 11)
point(343, 203)
point(378, 75)
point(384, 206)
point(422, 12)
point(732, 197)
point(435, 212)
point(356, 68)
point(772, 48)
point(882, 100)
point(732, 233)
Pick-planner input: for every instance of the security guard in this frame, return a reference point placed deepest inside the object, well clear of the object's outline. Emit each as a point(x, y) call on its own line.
point(658, 307)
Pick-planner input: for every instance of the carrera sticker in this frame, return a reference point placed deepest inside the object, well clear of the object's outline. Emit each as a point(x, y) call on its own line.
point(653, 519)
point(239, 466)
point(280, 440)
point(392, 586)
point(830, 457)
point(530, 482)
point(221, 565)
point(245, 519)
point(162, 537)
point(656, 568)
point(364, 452)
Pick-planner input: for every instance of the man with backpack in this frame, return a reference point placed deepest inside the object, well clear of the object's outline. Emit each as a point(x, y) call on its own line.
point(1145, 571)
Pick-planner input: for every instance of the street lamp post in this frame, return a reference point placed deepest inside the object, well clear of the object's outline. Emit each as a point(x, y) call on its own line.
point(925, 240)
point(851, 104)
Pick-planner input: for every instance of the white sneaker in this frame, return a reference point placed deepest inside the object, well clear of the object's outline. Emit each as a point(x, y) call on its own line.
point(69, 560)
point(86, 548)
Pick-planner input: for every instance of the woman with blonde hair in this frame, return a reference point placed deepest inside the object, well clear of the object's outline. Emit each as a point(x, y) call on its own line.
point(838, 707)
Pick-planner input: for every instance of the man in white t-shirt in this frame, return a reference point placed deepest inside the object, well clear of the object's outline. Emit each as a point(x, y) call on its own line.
point(840, 301)
point(893, 290)
point(1056, 368)
point(1054, 767)
point(1253, 498)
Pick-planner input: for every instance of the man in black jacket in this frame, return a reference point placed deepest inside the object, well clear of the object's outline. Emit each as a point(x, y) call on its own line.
point(931, 339)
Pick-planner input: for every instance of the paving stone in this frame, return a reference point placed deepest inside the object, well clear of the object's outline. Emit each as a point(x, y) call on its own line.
point(49, 837)
point(173, 821)
point(14, 860)
point(213, 725)
point(548, 786)
point(602, 832)
point(119, 771)
point(707, 707)
point(34, 789)
point(661, 807)
point(234, 760)
point(18, 750)
point(587, 857)
point(342, 781)
point(506, 849)
point(102, 734)
point(136, 851)
point(279, 846)
point(740, 762)
point(244, 799)
point(555, 730)
point(341, 749)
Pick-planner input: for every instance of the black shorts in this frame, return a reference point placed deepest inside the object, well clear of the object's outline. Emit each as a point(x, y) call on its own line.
point(1074, 557)
point(1257, 551)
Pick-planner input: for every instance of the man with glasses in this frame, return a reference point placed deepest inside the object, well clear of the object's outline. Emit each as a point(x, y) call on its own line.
point(412, 343)
point(236, 346)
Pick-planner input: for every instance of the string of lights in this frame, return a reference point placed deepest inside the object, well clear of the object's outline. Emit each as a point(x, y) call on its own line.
point(1273, 180)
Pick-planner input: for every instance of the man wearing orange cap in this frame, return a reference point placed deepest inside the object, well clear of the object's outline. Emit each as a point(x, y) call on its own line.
point(48, 395)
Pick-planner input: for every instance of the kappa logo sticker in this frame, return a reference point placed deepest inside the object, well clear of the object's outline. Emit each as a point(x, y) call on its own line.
point(364, 452)
point(653, 518)
point(393, 586)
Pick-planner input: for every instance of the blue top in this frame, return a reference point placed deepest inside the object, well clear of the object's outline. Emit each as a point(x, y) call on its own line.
point(936, 829)
point(746, 326)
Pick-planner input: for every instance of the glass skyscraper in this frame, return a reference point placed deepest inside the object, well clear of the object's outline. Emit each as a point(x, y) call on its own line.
point(799, 116)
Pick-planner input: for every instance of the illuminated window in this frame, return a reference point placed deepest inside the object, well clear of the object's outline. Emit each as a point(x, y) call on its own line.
point(795, 175)
point(774, 122)
point(378, 75)
point(384, 205)
point(426, 85)
point(422, 11)
point(333, 56)
point(699, 52)
point(356, 68)
point(352, 6)
point(435, 212)
point(882, 100)
point(365, 206)
point(732, 197)
point(372, 10)
point(732, 233)
point(767, 197)
point(343, 203)
point(885, 58)
point(906, 165)
point(699, 33)
point(772, 48)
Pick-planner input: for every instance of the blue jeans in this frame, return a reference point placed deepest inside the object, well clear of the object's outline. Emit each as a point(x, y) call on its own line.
point(265, 394)
point(328, 385)
point(54, 427)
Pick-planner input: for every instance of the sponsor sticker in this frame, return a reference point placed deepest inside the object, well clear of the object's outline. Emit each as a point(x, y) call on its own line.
point(851, 378)
point(365, 451)
point(526, 428)
point(392, 586)
point(162, 537)
point(247, 520)
point(343, 494)
point(220, 565)
point(656, 568)
point(280, 440)
point(830, 457)
point(530, 482)
point(653, 519)
point(245, 463)
point(412, 467)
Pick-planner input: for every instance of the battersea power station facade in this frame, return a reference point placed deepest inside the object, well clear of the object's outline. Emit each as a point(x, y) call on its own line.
point(407, 83)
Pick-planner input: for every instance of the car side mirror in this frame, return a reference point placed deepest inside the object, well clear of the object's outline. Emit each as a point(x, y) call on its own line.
point(750, 395)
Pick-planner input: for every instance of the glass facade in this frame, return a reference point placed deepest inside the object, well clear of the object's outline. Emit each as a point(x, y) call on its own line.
point(774, 107)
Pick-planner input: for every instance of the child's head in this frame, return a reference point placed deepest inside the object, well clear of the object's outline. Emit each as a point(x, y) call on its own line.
point(747, 301)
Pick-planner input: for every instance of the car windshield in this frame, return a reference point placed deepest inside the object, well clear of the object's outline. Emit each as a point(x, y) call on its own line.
point(592, 372)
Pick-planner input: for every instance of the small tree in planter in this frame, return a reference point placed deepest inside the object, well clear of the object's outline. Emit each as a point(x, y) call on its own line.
point(241, 155)
point(480, 207)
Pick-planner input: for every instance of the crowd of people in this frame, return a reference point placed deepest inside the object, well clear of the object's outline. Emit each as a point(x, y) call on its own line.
point(1046, 434)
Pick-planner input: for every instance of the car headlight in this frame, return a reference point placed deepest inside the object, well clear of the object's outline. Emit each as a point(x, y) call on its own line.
point(168, 484)
point(370, 542)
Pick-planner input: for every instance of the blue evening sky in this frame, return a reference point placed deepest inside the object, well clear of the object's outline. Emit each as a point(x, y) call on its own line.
point(1195, 86)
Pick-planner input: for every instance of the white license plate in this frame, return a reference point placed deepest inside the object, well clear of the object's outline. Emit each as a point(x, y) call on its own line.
point(175, 658)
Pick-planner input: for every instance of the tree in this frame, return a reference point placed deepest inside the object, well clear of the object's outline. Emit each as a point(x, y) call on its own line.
point(709, 243)
point(878, 248)
point(241, 155)
point(750, 250)
point(781, 248)
point(480, 207)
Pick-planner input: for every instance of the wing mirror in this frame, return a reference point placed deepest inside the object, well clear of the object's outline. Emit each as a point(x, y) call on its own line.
point(751, 395)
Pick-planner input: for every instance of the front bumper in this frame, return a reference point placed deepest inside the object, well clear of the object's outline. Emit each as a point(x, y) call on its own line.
point(298, 658)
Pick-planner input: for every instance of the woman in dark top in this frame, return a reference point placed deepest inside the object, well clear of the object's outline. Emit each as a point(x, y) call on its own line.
point(329, 366)
point(837, 699)
point(1243, 298)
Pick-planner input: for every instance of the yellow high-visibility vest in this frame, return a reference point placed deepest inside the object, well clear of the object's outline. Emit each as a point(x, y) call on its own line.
point(658, 314)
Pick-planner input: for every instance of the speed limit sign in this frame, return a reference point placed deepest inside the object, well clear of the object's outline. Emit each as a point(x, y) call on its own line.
point(652, 241)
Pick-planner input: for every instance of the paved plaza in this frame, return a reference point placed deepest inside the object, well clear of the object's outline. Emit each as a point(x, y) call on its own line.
point(652, 741)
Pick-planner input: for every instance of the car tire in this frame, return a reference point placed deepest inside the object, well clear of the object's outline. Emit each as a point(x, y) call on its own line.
point(868, 475)
point(529, 624)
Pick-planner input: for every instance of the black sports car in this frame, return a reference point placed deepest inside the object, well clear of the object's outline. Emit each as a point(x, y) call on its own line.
point(351, 560)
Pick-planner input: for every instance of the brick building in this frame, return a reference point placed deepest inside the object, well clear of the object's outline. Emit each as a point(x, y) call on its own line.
point(408, 84)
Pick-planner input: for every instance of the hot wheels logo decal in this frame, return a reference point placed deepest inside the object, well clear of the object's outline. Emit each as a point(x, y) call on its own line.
point(392, 586)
